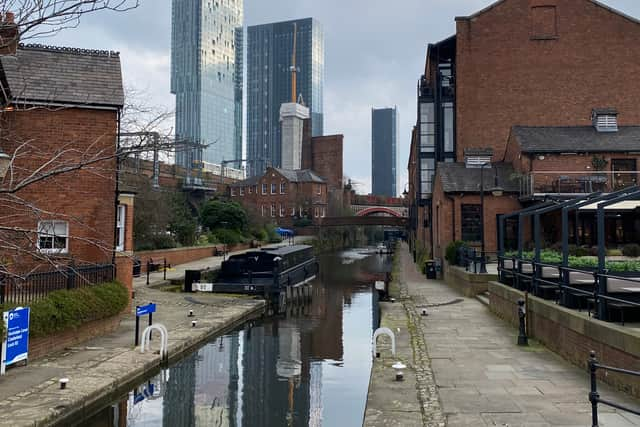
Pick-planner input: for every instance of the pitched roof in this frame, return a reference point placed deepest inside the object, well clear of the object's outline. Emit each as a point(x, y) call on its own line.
point(302, 175)
point(577, 139)
point(498, 2)
point(39, 74)
point(456, 178)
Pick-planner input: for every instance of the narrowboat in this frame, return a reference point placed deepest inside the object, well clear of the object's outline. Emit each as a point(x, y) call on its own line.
point(268, 271)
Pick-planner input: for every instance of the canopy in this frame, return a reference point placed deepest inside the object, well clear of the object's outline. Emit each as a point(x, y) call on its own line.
point(625, 205)
point(284, 231)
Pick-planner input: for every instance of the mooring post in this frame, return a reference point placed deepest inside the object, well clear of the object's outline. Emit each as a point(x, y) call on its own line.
point(522, 335)
point(593, 394)
point(165, 270)
point(137, 338)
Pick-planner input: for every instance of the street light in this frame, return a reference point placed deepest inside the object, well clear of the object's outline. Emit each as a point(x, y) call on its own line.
point(5, 161)
point(496, 191)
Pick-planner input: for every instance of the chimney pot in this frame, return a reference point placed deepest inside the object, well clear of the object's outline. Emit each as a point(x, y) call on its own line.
point(10, 18)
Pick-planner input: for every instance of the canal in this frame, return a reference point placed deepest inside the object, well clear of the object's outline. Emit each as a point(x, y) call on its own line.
point(308, 367)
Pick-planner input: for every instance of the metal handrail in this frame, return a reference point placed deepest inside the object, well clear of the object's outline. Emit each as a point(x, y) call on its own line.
point(563, 285)
point(594, 396)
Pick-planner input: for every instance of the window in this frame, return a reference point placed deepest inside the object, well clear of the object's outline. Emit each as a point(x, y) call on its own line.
point(273, 210)
point(281, 210)
point(470, 222)
point(319, 189)
point(250, 189)
point(427, 128)
point(242, 191)
point(120, 227)
point(264, 188)
point(262, 210)
point(233, 191)
point(283, 187)
point(544, 24)
point(293, 211)
point(324, 212)
point(316, 212)
point(273, 188)
point(53, 236)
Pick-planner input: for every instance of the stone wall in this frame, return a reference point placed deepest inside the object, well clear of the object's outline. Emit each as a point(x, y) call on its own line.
point(465, 282)
point(573, 334)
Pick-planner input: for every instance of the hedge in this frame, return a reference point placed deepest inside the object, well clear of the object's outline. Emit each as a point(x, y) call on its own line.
point(68, 309)
point(553, 257)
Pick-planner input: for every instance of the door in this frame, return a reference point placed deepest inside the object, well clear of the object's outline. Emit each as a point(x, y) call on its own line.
point(624, 173)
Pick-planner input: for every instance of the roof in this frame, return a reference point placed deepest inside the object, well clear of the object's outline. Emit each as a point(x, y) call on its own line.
point(302, 175)
point(456, 178)
point(596, 2)
point(39, 74)
point(577, 139)
point(247, 182)
point(478, 152)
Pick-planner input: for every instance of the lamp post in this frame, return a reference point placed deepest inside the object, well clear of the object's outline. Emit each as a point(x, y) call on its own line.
point(5, 161)
point(496, 191)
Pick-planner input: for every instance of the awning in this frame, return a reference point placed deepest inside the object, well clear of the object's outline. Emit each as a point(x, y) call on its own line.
point(626, 205)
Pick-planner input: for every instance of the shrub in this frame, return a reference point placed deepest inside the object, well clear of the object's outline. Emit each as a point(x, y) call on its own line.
point(227, 236)
point(451, 253)
point(272, 235)
point(67, 309)
point(216, 214)
point(631, 250)
point(163, 241)
point(614, 252)
point(302, 222)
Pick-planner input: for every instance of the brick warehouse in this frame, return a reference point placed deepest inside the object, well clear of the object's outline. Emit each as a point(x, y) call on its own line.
point(61, 116)
point(283, 197)
point(521, 64)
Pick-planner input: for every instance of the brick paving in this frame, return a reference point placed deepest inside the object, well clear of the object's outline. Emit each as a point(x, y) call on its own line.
point(484, 379)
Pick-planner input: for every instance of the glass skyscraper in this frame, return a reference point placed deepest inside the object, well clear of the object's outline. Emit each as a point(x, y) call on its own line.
point(206, 77)
point(384, 151)
point(269, 53)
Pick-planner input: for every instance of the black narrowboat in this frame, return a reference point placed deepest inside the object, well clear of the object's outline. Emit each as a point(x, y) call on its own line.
point(268, 271)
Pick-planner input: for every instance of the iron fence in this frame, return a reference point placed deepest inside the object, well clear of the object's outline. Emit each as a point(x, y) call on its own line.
point(572, 287)
point(35, 286)
point(594, 396)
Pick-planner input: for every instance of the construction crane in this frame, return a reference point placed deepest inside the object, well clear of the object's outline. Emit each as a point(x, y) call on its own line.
point(294, 69)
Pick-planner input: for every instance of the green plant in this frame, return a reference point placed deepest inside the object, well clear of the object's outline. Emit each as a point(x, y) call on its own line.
point(631, 250)
point(182, 224)
point(68, 309)
point(599, 163)
point(163, 241)
point(451, 252)
point(614, 252)
point(216, 214)
point(227, 236)
point(302, 222)
point(272, 235)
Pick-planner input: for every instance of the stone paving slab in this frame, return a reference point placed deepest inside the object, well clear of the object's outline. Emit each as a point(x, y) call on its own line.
point(109, 365)
point(485, 379)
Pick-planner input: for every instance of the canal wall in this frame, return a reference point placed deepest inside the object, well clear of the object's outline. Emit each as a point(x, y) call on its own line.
point(414, 401)
point(107, 368)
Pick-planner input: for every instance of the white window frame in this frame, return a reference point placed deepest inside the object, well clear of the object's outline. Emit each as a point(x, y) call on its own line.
point(274, 187)
point(242, 191)
point(319, 189)
point(273, 210)
point(323, 212)
point(233, 192)
point(121, 225)
point(317, 212)
point(283, 188)
point(281, 210)
point(262, 209)
point(42, 233)
point(293, 211)
point(264, 188)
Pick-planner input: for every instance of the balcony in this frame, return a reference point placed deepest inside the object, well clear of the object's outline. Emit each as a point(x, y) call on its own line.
point(541, 184)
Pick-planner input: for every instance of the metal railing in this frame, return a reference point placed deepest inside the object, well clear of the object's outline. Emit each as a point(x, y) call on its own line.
point(541, 183)
point(35, 286)
point(544, 280)
point(594, 396)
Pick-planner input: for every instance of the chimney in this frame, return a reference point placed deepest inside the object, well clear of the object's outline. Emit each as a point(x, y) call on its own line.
point(9, 35)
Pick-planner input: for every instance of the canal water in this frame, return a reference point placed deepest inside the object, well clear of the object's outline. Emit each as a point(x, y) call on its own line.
point(308, 367)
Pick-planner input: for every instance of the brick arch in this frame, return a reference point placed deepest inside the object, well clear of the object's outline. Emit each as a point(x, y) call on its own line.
point(378, 209)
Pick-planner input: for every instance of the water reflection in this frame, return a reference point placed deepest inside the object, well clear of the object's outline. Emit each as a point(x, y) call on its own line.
point(309, 367)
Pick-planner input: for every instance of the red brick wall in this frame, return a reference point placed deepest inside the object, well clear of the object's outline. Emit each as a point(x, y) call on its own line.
point(446, 212)
point(85, 199)
point(45, 346)
point(506, 78)
point(327, 159)
point(184, 255)
point(573, 339)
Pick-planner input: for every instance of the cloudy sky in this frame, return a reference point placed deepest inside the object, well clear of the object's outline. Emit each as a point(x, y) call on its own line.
point(374, 54)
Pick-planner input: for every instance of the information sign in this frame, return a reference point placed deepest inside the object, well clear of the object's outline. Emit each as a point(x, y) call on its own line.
point(143, 310)
point(16, 346)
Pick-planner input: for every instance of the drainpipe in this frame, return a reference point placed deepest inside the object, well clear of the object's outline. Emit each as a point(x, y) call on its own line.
point(117, 190)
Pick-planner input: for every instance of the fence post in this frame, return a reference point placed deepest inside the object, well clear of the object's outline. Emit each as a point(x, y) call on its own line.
point(593, 394)
point(165, 270)
point(148, 270)
point(71, 275)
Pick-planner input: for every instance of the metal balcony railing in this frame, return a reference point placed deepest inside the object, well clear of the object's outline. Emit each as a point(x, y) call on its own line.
point(570, 183)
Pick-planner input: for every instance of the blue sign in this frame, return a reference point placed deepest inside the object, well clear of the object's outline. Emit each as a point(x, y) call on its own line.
point(143, 310)
point(17, 346)
point(147, 392)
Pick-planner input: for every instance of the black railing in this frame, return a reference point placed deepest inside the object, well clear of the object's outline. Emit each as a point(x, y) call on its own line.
point(471, 259)
point(35, 286)
point(573, 287)
point(594, 396)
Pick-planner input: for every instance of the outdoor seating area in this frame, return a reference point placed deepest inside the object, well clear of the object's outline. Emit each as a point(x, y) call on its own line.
point(607, 287)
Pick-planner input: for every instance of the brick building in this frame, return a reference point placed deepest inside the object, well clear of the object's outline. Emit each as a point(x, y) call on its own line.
point(283, 197)
point(515, 74)
point(60, 121)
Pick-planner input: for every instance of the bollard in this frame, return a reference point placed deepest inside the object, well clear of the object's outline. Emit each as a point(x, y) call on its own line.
point(522, 335)
point(399, 367)
point(190, 313)
point(193, 323)
point(63, 383)
point(593, 394)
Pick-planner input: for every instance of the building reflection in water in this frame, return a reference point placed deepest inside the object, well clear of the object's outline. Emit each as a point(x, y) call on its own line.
point(279, 371)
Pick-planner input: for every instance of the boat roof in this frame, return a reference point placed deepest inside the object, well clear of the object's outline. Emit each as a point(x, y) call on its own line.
point(286, 250)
